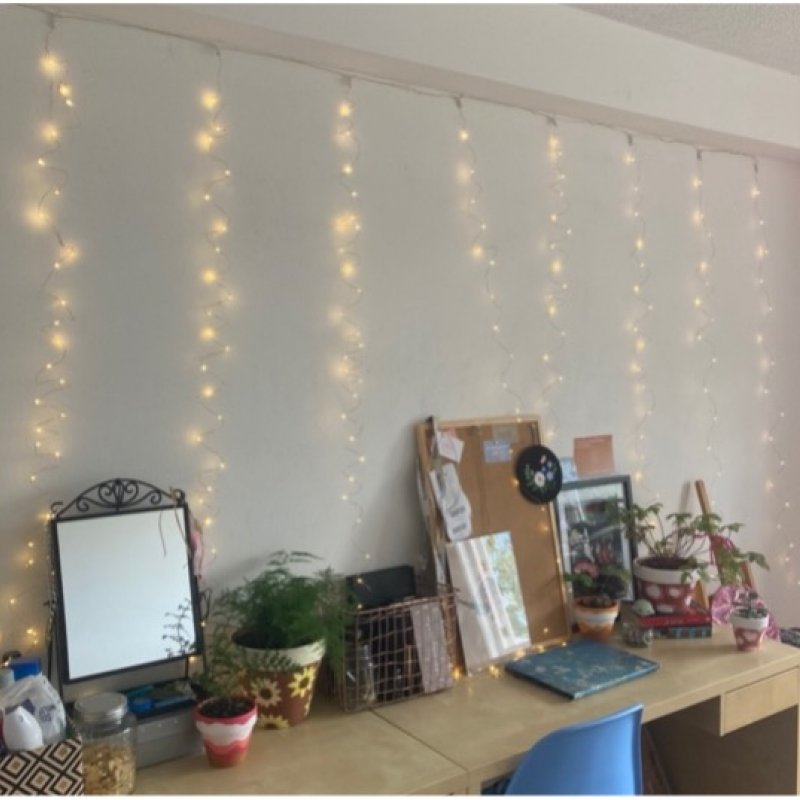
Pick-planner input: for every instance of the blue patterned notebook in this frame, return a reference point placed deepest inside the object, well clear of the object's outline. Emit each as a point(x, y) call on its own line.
point(581, 668)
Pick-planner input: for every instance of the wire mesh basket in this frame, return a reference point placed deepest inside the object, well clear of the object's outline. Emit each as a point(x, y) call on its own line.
point(399, 651)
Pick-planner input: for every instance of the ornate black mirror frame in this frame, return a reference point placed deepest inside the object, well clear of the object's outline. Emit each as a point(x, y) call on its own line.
point(110, 499)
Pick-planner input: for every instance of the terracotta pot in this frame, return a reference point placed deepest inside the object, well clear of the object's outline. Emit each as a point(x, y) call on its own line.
point(225, 739)
point(282, 682)
point(664, 588)
point(595, 623)
point(749, 632)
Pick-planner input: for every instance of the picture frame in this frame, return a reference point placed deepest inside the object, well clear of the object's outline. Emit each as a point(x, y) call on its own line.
point(585, 531)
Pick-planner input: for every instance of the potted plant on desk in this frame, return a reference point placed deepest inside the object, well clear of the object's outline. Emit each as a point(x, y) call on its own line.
point(750, 621)
point(272, 632)
point(677, 553)
point(597, 589)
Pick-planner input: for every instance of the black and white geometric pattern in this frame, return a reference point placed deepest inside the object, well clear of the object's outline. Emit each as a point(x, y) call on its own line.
point(53, 770)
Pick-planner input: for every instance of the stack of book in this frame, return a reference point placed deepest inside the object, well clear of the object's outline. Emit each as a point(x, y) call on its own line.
point(694, 624)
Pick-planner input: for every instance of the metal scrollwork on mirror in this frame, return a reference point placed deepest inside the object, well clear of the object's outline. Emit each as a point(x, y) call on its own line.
point(126, 592)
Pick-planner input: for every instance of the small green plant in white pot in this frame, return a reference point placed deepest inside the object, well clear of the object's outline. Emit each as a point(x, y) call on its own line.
point(750, 621)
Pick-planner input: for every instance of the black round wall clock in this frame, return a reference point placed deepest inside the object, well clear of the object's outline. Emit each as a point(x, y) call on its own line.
point(539, 474)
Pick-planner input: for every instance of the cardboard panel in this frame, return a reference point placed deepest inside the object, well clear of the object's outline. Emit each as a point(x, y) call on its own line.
point(498, 505)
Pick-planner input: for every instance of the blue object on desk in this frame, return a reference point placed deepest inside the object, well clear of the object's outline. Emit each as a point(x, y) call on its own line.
point(599, 757)
point(25, 667)
point(581, 668)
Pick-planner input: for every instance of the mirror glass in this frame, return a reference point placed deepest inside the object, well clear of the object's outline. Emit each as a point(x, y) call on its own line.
point(127, 593)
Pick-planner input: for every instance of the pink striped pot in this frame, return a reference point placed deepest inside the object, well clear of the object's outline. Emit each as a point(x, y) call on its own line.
point(749, 632)
point(225, 739)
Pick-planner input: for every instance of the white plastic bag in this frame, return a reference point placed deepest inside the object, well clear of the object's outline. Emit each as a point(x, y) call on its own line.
point(38, 696)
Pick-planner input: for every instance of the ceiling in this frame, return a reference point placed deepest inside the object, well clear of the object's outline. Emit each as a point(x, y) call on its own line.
point(767, 34)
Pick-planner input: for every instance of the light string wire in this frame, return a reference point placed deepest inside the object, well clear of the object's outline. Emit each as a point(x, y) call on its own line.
point(349, 367)
point(637, 327)
point(704, 311)
point(216, 297)
point(51, 380)
point(766, 365)
point(484, 253)
point(556, 287)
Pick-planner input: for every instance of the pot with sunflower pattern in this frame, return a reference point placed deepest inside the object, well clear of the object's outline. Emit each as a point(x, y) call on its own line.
point(281, 681)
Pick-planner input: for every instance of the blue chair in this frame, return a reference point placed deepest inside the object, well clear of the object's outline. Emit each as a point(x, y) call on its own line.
point(602, 756)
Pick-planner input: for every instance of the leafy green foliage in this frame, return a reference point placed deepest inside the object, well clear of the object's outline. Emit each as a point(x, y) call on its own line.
point(608, 581)
point(687, 542)
point(277, 610)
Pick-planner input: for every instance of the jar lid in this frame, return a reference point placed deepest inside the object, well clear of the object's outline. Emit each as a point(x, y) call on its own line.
point(102, 707)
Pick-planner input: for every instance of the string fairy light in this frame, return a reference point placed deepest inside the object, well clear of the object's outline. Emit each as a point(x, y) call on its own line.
point(349, 367)
point(51, 379)
point(637, 327)
point(485, 253)
point(216, 297)
point(700, 303)
point(773, 484)
point(556, 286)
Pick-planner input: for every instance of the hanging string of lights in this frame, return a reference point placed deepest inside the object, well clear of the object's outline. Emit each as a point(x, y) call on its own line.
point(766, 364)
point(348, 368)
point(556, 287)
point(644, 401)
point(701, 335)
point(51, 380)
point(216, 297)
point(484, 252)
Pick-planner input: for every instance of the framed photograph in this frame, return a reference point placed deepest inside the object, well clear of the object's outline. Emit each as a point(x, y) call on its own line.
point(587, 532)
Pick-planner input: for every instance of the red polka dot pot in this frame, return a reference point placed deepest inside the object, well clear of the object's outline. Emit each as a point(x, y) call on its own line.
point(748, 632)
point(226, 739)
point(664, 588)
point(595, 623)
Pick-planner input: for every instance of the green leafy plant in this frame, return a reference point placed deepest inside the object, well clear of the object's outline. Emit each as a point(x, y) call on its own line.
point(597, 585)
point(687, 542)
point(277, 610)
point(752, 607)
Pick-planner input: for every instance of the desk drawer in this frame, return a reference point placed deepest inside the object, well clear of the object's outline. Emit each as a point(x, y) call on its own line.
point(759, 700)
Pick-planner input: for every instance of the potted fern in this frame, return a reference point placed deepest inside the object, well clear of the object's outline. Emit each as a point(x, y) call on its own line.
point(271, 633)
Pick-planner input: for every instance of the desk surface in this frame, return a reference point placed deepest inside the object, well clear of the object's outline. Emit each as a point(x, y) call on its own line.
point(330, 753)
point(485, 724)
point(453, 741)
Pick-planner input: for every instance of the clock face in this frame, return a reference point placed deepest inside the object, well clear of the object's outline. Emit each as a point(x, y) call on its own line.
point(539, 474)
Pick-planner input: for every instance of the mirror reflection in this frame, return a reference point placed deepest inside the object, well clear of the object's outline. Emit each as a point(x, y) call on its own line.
point(126, 591)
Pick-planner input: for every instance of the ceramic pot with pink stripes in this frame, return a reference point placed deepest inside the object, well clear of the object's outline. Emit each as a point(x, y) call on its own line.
point(749, 632)
point(226, 725)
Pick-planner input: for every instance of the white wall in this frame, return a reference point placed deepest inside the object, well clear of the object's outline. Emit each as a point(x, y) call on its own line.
point(134, 173)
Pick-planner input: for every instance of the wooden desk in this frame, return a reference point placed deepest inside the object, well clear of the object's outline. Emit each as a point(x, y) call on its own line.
point(714, 712)
point(724, 722)
point(330, 753)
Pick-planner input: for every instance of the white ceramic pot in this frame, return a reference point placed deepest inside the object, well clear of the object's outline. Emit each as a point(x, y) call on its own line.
point(664, 588)
point(748, 631)
point(21, 731)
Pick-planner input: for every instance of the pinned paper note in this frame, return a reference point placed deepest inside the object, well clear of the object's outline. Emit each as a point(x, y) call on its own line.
point(594, 455)
point(449, 445)
point(453, 503)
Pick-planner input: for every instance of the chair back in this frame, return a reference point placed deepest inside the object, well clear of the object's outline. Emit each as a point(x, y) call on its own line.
point(600, 757)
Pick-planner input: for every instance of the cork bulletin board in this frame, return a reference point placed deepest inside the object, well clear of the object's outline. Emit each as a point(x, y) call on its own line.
point(486, 473)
